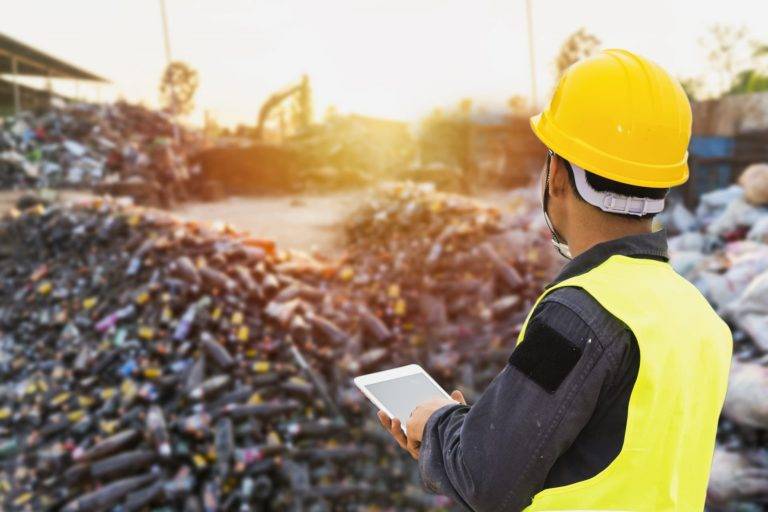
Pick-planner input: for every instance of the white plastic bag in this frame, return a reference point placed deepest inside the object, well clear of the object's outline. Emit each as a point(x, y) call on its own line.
point(754, 181)
point(712, 204)
point(738, 213)
point(750, 311)
point(759, 230)
point(692, 241)
point(682, 220)
point(684, 262)
point(746, 402)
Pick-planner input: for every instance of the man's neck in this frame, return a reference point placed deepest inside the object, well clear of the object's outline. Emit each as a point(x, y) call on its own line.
point(604, 232)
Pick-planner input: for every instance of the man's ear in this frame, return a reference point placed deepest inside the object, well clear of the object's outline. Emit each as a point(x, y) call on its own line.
point(558, 178)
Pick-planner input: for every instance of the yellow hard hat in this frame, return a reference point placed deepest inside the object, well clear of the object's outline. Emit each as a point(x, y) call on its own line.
point(620, 116)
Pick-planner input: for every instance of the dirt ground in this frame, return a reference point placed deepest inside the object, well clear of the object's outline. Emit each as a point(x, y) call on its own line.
point(306, 222)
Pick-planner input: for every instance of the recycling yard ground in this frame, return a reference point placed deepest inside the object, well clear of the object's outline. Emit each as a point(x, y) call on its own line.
point(303, 222)
point(306, 222)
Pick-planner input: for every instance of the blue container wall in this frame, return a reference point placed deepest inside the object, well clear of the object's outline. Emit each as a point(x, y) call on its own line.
point(712, 167)
point(708, 147)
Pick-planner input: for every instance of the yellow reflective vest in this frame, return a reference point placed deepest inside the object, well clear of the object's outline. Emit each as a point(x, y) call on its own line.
point(685, 354)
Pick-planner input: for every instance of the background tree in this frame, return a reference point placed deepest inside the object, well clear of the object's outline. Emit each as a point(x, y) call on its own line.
point(464, 108)
point(727, 51)
point(331, 113)
point(722, 45)
point(579, 45)
point(693, 87)
point(754, 79)
point(518, 106)
point(738, 63)
point(177, 88)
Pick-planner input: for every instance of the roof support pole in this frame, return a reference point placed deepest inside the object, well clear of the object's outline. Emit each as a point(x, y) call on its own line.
point(49, 85)
point(16, 92)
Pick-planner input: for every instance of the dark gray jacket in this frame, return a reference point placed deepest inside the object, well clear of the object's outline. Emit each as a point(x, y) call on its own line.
point(553, 416)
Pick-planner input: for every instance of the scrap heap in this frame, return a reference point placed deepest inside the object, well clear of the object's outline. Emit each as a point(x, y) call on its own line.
point(146, 361)
point(443, 280)
point(150, 362)
point(723, 250)
point(117, 148)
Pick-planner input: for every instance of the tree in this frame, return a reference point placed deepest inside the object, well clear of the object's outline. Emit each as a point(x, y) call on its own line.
point(518, 106)
point(177, 88)
point(728, 55)
point(749, 80)
point(465, 108)
point(579, 45)
point(693, 87)
point(331, 113)
point(755, 79)
point(737, 64)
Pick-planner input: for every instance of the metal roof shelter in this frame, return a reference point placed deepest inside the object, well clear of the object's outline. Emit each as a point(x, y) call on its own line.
point(19, 59)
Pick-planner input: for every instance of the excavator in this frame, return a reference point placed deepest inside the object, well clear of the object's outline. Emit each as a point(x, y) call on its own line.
point(302, 93)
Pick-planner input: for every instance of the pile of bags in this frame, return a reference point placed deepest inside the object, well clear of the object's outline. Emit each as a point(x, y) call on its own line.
point(118, 148)
point(723, 250)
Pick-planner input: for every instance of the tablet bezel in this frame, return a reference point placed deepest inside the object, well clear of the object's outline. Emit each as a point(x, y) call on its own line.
point(394, 373)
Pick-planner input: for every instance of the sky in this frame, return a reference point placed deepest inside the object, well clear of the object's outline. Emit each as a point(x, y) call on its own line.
point(396, 59)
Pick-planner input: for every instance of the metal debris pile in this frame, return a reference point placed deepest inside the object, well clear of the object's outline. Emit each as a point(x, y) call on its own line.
point(443, 280)
point(118, 148)
point(147, 362)
point(723, 250)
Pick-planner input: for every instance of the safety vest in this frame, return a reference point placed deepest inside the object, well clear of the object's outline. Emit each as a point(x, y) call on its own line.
point(685, 354)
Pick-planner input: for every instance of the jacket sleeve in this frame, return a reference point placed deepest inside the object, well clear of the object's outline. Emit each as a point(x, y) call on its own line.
point(496, 454)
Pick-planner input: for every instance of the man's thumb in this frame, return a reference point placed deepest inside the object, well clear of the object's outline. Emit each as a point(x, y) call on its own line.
point(456, 395)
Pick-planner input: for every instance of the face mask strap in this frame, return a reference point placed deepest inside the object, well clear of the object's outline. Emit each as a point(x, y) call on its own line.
point(559, 242)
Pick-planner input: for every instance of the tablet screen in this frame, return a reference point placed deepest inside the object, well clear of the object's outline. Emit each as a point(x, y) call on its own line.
point(401, 395)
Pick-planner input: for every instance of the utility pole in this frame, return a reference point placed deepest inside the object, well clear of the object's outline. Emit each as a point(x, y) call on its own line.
point(531, 56)
point(165, 32)
point(167, 42)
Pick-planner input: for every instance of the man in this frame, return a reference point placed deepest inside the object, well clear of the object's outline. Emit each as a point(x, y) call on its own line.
point(610, 400)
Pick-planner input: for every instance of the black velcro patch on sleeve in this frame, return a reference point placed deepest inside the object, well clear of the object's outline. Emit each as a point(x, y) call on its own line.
point(545, 356)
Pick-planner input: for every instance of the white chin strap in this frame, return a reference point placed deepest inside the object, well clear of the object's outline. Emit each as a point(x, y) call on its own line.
point(614, 203)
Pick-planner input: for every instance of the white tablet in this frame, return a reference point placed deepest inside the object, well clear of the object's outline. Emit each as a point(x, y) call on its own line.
point(398, 391)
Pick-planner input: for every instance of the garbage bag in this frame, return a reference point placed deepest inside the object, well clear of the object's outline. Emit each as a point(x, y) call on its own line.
point(712, 204)
point(684, 262)
point(734, 478)
point(738, 215)
point(754, 181)
point(759, 230)
point(746, 402)
point(750, 311)
point(692, 241)
point(682, 220)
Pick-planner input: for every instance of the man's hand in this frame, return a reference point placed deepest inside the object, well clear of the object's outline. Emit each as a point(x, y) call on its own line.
point(419, 417)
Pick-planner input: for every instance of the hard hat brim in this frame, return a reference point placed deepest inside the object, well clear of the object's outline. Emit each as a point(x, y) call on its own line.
point(608, 166)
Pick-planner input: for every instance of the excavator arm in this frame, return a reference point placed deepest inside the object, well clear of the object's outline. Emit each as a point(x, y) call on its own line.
point(302, 88)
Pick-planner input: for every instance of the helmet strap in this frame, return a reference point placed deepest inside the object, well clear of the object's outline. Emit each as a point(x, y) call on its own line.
point(610, 202)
